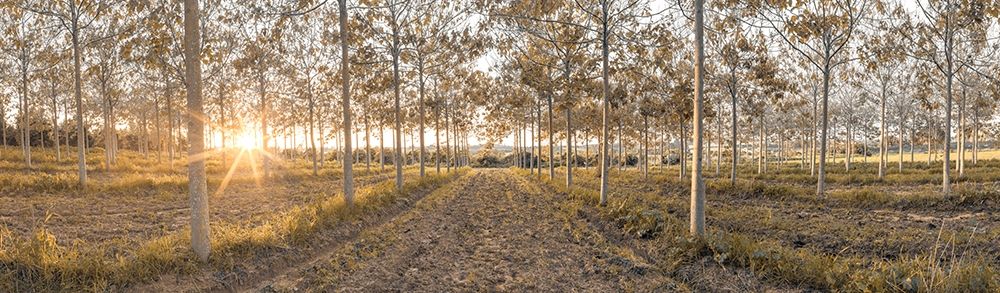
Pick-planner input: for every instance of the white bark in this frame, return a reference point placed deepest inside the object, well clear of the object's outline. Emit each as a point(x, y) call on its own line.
point(345, 72)
point(197, 186)
point(697, 184)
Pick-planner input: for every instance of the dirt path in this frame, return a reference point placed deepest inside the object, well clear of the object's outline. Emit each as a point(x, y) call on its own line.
point(486, 232)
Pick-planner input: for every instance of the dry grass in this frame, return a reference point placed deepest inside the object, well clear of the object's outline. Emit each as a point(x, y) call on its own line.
point(38, 261)
point(657, 220)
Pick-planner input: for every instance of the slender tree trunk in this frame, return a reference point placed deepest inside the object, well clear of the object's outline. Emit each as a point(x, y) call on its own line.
point(159, 136)
point(381, 146)
point(81, 135)
point(975, 136)
point(538, 136)
point(732, 142)
point(821, 181)
point(170, 123)
point(883, 142)
point(345, 72)
point(398, 114)
point(604, 103)
point(645, 147)
point(961, 134)
point(812, 136)
point(312, 126)
point(900, 142)
point(569, 141)
point(368, 143)
point(946, 169)
point(848, 141)
point(718, 138)
point(420, 105)
point(697, 184)
point(930, 150)
point(25, 110)
point(447, 135)
point(197, 186)
point(682, 151)
point(55, 122)
point(912, 139)
point(551, 130)
point(437, 139)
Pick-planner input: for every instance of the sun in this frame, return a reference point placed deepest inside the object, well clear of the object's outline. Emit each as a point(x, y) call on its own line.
point(246, 141)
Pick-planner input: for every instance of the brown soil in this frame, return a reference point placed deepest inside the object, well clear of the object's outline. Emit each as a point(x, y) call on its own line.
point(491, 231)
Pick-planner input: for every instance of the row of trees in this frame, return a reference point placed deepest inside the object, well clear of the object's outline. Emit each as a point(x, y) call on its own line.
point(738, 76)
point(275, 68)
point(774, 68)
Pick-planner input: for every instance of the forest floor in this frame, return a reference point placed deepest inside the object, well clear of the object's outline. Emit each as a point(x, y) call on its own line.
point(146, 204)
point(502, 230)
point(490, 231)
point(493, 230)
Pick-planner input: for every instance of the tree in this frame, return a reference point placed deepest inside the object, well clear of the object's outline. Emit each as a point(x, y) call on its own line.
point(882, 54)
point(820, 32)
point(75, 16)
point(25, 38)
point(947, 27)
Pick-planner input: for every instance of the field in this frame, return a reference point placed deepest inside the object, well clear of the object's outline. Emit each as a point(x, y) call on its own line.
point(497, 229)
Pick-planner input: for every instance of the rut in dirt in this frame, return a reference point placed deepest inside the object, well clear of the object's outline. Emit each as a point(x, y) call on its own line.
point(491, 230)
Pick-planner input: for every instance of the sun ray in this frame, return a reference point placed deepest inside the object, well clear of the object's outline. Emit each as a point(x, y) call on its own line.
point(253, 168)
point(203, 155)
point(229, 174)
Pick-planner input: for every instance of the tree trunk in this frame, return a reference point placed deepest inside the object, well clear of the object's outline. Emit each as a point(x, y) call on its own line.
point(345, 72)
point(569, 141)
point(812, 136)
point(170, 121)
point(821, 181)
point(718, 138)
point(645, 147)
point(900, 141)
point(197, 186)
point(732, 141)
point(312, 126)
point(883, 146)
point(81, 135)
point(975, 136)
point(538, 136)
point(552, 170)
point(368, 143)
point(437, 139)
point(604, 104)
point(25, 110)
point(946, 169)
point(55, 122)
point(682, 151)
point(159, 134)
point(697, 184)
point(420, 105)
point(961, 134)
point(381, 146)
point(398, 140)
point(447, 135)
